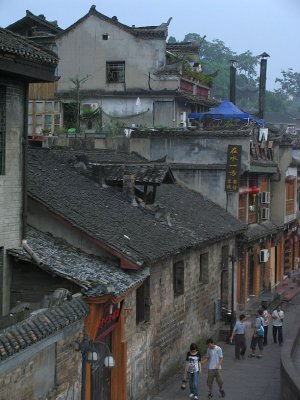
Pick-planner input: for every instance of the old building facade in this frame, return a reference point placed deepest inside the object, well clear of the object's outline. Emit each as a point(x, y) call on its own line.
point(185, 250)
point(21, 63)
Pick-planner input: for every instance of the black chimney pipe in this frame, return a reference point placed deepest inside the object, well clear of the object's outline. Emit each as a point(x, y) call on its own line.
point(262, 85)
point(232, 84)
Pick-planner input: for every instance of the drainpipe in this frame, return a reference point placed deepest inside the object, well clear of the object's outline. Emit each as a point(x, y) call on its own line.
point(32, 254)
point(24, 163)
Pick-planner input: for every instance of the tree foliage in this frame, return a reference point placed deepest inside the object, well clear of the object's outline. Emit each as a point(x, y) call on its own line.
point(289, 83)
point(216, 58)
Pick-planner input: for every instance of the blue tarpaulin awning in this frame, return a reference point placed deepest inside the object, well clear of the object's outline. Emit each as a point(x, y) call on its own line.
point(226, 110)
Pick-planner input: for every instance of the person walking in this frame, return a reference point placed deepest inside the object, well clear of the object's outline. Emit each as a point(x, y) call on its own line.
point(238, 334)
point(214, 357)
point(192, 370)
point(277, 317)
point(258, 335)
point(267, 317)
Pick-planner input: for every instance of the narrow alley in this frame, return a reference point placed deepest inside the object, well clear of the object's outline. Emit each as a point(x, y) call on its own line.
point(246, 379)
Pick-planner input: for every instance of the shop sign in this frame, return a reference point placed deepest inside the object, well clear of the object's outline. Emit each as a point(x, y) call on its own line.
point(109, 320)
point(233, 168)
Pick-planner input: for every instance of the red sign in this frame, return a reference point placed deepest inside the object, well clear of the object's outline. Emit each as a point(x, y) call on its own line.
point(109, 320)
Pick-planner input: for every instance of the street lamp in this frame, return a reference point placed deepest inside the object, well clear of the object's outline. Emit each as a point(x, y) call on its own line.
point(232, 259)
point(90, 353)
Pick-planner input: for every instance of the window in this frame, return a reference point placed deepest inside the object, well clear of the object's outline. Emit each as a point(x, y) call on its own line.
point(289, 198)
point(178, 278)
point(203, 275)
point(48, 106)
point(48, 122)
point(2, 153)
point(143, 302)
point(2, 128)
point(115, 72)
point(105, 36)
point(225, 257)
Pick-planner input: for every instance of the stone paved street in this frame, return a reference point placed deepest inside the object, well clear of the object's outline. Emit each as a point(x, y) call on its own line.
point(247, 379)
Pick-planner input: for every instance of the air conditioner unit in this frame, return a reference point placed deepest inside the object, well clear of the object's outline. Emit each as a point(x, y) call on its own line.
point(264, 255)
point(265, 213)
point(265, 198)
point(183, 119)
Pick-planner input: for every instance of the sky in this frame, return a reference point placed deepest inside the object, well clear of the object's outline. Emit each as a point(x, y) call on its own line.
point(270, 26)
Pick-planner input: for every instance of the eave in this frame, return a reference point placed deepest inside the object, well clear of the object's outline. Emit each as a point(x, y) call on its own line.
point(30, 71)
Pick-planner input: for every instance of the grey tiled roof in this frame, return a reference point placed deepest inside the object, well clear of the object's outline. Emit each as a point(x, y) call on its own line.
point(16, 45)
point(184, 48)
point(108, 217)
point(98, 156)
point(171, 132)
point(40, 325)
point(87, 271)
point(256, 231)
point(145, 32)
point(32, 19)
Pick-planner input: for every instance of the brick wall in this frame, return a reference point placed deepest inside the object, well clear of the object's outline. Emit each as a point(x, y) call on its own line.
point(47, 370)
point(12, 96)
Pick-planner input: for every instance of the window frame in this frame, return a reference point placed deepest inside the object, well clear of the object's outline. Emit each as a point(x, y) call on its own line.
point(203, 267)
point(115, 71)
point(143, 302)
point(178, 278)
point(2, 152)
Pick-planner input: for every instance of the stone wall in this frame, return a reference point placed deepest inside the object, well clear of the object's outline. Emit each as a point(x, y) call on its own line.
point(47, 370)
point(289, 373)
point(158, 348)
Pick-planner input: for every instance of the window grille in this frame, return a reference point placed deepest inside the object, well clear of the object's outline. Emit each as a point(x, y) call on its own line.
point(115, 72)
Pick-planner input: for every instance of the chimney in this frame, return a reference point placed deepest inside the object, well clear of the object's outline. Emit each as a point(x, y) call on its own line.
point(262, 84)
point(99, 174)
point(232, 84)
point(128, 190)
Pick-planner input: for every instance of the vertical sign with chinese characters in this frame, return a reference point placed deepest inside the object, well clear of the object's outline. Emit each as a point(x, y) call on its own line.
point(233, 168)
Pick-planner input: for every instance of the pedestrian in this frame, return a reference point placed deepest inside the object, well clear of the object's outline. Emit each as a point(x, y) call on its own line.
point(192, 370)
point(267, 318)
point(214, 357)
point(277, 317)
point(258, 335)
point(238, 334)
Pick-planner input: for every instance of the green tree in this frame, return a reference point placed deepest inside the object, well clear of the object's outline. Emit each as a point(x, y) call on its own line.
point(289, 83)
point(275, 102)
point(192, 37)
point(78, 83)
point(172, 40)
point(246, 63)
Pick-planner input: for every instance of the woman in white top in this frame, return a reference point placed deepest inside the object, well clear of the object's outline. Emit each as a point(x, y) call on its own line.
point(266, 317)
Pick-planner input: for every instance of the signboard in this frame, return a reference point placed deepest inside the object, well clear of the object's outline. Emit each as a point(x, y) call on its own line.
point(233, 168)
point(109, 320)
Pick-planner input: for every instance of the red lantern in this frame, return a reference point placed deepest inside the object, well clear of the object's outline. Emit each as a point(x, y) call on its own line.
point(254, 190)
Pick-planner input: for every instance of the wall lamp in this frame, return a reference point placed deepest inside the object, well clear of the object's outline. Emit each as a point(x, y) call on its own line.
point(92, 356)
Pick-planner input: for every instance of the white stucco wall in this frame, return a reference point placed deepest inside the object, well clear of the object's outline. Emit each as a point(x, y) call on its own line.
point(83, 52)
point(10, 182)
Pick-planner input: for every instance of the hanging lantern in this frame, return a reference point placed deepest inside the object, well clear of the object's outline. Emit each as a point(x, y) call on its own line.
point(254, 189)
point(290, 178)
